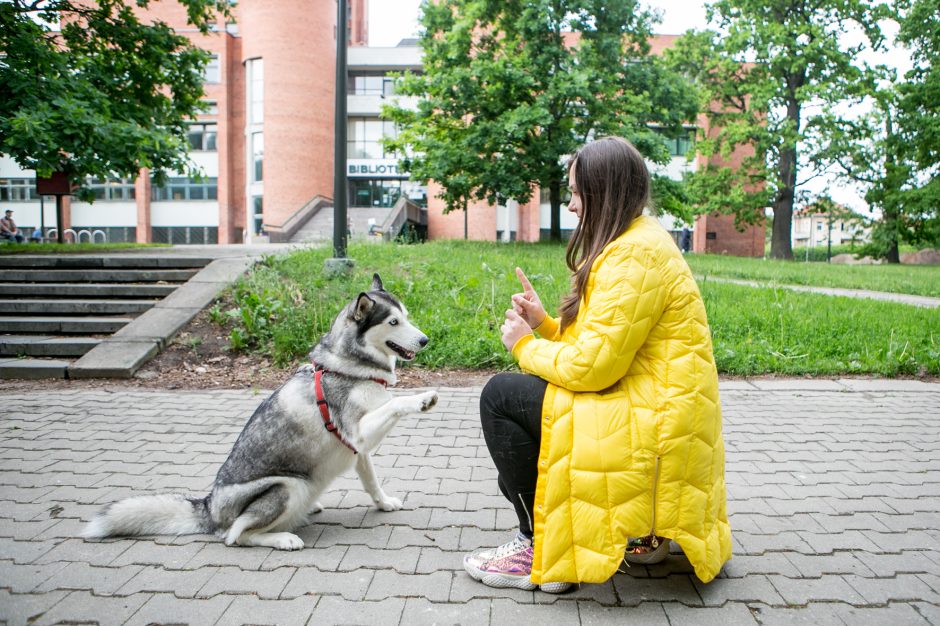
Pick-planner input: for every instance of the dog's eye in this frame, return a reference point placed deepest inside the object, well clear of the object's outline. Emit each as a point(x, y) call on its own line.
point(393, 322)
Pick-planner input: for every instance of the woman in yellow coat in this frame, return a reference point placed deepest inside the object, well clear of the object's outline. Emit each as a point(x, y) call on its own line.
point(609, 446)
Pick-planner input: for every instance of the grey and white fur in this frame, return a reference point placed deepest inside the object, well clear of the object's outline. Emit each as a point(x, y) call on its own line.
point(284, 458)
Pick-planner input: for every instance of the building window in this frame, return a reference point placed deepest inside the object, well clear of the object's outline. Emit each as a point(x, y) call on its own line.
point(112, 189)
point(364, 138)
point(18, 190)
point(382, 193)
point(186, 189)
point(257, 157)
point(370, 84)
point(202, 137)
point(212, 107)
point(213, 71)
point(257, 214)
point(678, 146)
point(255, 91)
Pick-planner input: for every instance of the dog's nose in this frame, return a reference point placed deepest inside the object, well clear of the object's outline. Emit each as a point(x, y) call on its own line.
point(423, 341)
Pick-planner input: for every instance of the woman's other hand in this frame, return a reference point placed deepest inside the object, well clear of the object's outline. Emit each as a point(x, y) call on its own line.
point(527, 304)
point(514, 328)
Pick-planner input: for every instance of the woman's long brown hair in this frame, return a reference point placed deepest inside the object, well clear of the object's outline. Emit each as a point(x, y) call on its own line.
point(614, 184)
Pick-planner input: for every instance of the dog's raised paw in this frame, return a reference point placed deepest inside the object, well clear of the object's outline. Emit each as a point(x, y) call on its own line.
point(428, 400)
point(390, 504)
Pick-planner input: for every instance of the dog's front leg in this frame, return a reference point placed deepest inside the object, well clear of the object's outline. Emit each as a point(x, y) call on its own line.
point(374, 425)
point(371, 484)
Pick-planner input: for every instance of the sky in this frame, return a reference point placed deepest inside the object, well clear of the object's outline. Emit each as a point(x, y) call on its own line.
point(392, 20)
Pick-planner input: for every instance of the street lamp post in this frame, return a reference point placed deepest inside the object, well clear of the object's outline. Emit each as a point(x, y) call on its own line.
point(340, 262)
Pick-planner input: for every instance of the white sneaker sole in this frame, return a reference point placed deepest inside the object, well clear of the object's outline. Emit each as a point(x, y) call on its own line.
point(500, 581)
point(508, 581)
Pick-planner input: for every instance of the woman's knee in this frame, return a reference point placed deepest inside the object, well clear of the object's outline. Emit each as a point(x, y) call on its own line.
point(497, 392)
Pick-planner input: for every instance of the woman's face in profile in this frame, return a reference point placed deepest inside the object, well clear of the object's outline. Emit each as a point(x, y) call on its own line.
point(574, 205)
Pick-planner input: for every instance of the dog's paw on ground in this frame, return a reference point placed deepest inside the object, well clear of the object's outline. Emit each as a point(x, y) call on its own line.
point(287, 541)
point(389, 504)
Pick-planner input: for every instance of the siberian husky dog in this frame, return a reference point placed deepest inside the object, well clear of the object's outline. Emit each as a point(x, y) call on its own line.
point(324, 420)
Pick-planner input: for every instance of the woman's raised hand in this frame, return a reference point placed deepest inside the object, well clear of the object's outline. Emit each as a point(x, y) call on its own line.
point(527, 304)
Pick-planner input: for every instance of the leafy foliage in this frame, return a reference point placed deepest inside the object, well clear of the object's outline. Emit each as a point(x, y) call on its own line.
point(893, 151)
point(509, 89)
point(772, 62)
point(103, 95)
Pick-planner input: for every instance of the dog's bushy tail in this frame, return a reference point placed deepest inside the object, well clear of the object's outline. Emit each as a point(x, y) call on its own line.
point(169, 514)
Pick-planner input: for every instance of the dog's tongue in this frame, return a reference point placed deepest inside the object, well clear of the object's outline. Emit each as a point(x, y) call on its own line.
point(409, 354)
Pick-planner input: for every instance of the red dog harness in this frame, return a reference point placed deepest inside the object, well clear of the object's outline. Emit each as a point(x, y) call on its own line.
point(328, 422)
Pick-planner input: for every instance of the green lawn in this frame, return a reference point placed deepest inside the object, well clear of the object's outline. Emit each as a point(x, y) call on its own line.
point(457, 293)
point(921, 280)
point(73, 248)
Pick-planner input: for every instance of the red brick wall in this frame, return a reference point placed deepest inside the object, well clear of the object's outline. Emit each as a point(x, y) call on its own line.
point(231, 143)
point(726, 238)
point(142, 192)
point(296, 41)
point(481, 219)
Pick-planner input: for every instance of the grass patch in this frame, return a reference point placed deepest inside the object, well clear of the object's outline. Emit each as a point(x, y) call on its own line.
point(457, 292)
point(769, 330)
point(74, 248)
point(921, 280)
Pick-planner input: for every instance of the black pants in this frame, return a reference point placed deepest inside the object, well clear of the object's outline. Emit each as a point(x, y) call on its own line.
point(511, 416)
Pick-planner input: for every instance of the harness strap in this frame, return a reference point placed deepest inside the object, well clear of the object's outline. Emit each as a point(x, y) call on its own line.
point(325, 413)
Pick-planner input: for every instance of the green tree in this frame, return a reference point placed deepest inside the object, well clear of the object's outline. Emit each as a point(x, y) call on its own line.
point(919, 118)
point(871, 152)
point(509, 88)
point(774, 60)
point(88, 89)
point(893, 151)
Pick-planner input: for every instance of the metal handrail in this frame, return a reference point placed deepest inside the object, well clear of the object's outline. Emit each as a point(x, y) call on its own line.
point(404, 210)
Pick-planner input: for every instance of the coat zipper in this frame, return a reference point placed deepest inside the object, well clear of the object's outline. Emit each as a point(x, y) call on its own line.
point(654, 540)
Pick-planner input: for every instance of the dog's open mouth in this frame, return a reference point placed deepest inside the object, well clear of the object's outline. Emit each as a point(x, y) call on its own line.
point(405, 354)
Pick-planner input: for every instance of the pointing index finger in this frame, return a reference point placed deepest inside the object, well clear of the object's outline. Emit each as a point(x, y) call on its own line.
point(526, 285)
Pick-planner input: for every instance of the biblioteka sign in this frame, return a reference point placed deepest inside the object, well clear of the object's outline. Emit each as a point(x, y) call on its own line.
point(371, 168)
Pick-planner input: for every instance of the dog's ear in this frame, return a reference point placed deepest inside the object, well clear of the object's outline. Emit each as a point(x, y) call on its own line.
point(364, 304)
point(377, 283)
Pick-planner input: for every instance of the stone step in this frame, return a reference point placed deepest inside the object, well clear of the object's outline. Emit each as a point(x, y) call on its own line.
point(73, 325)
point(32, 345)
point(86, 290)
point(33, 368)
point(101, 262)
point(73, 307)
point(97, 276)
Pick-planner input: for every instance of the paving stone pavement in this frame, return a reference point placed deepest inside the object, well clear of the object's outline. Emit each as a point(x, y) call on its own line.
point(833, 487)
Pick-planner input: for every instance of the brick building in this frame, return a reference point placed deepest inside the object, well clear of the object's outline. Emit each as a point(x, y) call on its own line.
point(265, 145)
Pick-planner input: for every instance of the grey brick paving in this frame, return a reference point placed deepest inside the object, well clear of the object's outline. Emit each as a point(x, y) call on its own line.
point(834, 500)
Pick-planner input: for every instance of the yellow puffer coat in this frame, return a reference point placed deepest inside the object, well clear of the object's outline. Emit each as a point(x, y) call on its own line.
point(631, 421)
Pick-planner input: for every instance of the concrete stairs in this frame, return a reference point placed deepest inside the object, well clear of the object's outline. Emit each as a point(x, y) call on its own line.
point(320, 226)
point(56, 311)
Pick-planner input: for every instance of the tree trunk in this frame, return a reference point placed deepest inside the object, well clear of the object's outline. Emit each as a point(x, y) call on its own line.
point(893, 254)
point(554, 194)
point(781, 245)
point(889, 208)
